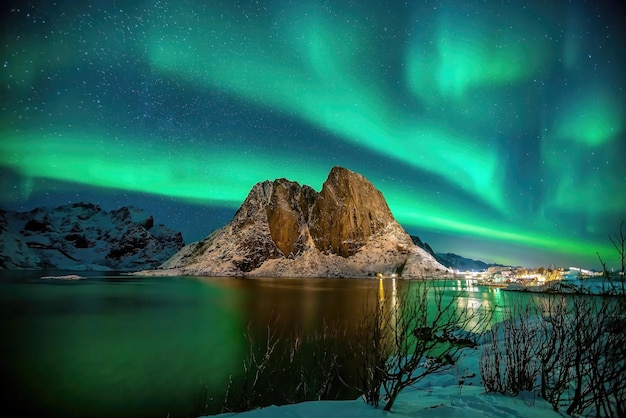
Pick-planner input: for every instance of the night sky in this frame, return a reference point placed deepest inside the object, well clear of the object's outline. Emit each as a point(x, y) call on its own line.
point(495, 129)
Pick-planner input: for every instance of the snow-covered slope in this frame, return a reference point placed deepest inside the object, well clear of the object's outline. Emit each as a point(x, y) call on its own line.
point(438, 395)
point(451, 260)
point(433, 402)
point(82, 236)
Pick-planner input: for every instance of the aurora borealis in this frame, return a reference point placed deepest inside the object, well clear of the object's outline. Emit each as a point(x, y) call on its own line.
point(496, 130)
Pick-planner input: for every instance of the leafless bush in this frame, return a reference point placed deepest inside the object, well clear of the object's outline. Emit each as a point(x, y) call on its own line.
point(570, 350)
point(372, 348)
point(616, 282)
point(598, 357)
point(555, 346)
point(509, 360)
point(412, 333)
point(258, 369)
point(284, 369)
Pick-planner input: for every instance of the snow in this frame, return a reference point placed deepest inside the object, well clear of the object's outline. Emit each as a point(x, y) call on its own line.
point(65, 277)
point(438, 395)
point(442, 402)
point(438, 402)
point(83, 237)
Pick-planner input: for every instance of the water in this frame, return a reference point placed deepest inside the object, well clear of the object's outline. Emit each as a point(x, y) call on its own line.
point(155, 347)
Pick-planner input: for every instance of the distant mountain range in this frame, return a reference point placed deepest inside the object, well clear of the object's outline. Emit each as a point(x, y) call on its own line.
point(453, 261)
point(82, 236)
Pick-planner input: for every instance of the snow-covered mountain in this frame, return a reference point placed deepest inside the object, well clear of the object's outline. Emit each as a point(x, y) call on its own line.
point(451, 260)
point(284, 229)
point(82, 236)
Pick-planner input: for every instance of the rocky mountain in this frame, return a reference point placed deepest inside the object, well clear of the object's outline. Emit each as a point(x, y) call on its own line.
point(451, 260)
point(457, 262)
point(426, 247)
point(283, 229)
point(82, 236)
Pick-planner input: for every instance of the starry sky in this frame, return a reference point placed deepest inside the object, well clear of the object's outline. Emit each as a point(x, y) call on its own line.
point(495, 129)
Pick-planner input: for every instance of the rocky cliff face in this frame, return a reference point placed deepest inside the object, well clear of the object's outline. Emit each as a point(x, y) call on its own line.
point(284, 229)
point(347, 212)
point(82, 236)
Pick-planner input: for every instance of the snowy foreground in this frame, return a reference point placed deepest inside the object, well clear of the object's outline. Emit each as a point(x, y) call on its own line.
point(442, 402)
point(438, 395)
point(441, 394)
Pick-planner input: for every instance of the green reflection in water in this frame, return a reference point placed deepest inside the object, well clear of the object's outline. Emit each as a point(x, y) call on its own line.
point(139, 348)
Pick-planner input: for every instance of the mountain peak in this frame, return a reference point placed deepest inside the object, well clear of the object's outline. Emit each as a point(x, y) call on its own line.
point(348, 210)
point(287, 229)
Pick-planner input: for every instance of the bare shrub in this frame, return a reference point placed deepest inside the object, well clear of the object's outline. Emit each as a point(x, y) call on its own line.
point(555, 349)
point(616, 282)
point(413, 332)
point(282, 369)
point(598, 385)
point(509, 361)
point(574, 355)
point(373, 348)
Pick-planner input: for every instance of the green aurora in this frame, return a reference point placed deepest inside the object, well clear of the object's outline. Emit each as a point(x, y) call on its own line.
point(495, 131)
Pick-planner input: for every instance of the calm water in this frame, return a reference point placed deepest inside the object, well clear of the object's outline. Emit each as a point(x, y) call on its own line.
point(149, 347)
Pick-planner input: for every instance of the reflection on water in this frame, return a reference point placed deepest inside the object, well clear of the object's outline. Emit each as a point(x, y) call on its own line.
point(116, 345)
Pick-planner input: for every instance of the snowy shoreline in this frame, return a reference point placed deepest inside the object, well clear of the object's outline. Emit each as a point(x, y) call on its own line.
point(438, 395)
point(456, 391)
